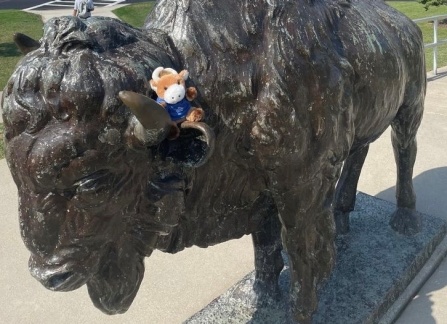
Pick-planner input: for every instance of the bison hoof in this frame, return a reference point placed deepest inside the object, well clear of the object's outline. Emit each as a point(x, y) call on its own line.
point(341, 222)
point(406, 221)
point(266, 291)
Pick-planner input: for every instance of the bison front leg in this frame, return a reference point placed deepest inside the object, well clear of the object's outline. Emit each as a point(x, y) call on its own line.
point(308, 233)
point(268, 258)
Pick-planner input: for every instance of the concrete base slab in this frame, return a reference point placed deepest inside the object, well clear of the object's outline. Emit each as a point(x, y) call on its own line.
point(374, 267)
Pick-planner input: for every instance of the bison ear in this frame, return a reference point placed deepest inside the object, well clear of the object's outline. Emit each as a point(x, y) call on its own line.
point(194, 146)
point(25, 43)
point(184, 74)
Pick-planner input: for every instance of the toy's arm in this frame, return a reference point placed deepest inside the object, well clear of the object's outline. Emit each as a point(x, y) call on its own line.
point(191, 93)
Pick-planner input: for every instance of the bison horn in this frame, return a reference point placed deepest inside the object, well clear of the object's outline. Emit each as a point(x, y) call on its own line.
point(153, 123)
point(209, 139)
point(25, 43)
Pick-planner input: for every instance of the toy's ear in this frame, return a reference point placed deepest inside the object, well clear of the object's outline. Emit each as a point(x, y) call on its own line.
point(153, 85)
point(155, 77)
point(184, 74)
point(156, 73)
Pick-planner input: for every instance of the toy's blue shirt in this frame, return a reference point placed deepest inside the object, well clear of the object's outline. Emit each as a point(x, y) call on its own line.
point(176, 111)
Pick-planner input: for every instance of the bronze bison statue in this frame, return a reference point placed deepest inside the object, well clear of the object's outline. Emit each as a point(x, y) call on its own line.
point(293, 91)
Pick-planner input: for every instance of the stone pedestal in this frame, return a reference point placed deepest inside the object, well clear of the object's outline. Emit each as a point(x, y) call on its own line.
point(376, 274)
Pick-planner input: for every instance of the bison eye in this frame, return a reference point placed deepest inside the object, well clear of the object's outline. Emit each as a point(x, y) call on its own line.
point(93, 189)
point(93, 181)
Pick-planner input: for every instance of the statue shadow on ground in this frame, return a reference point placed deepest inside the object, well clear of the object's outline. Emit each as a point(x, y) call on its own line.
point(9, 50)
point(431, 189)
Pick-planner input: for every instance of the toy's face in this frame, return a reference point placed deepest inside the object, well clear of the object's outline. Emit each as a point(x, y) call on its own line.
point(171, 88)
point(169, 85)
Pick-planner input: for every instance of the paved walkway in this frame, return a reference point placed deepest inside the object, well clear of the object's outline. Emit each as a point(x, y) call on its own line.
point(99, 11)
point(177, 286)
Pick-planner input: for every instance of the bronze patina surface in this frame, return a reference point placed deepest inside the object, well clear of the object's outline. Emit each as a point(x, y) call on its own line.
point(292, 90)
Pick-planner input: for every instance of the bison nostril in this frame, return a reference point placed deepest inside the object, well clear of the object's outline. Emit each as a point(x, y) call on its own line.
point(59, 279)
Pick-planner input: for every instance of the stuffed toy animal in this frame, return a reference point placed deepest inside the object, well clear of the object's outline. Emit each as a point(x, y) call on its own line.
point(174, 96)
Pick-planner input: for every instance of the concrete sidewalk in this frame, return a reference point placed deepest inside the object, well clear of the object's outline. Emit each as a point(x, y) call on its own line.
point(177, 286)
point(99, 11)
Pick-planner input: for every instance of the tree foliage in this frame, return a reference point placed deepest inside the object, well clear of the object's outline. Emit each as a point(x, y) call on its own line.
point(428, 3)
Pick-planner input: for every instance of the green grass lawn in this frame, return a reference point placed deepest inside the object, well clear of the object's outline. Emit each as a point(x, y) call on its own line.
point(135, 14)
point(2, 143)
point(12, 21)
point(415, 10)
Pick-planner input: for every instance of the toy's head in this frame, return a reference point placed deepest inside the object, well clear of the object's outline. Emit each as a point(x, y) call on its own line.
point(168, 84)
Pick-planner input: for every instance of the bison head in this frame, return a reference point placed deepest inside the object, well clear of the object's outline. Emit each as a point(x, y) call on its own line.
point(98, 182)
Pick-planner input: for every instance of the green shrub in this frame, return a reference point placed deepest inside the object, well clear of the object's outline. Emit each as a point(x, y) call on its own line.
point(435, 3)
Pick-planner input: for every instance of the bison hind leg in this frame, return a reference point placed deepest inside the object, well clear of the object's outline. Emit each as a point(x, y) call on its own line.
point(268, 259)
point(406, 220)
point(347, 189)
